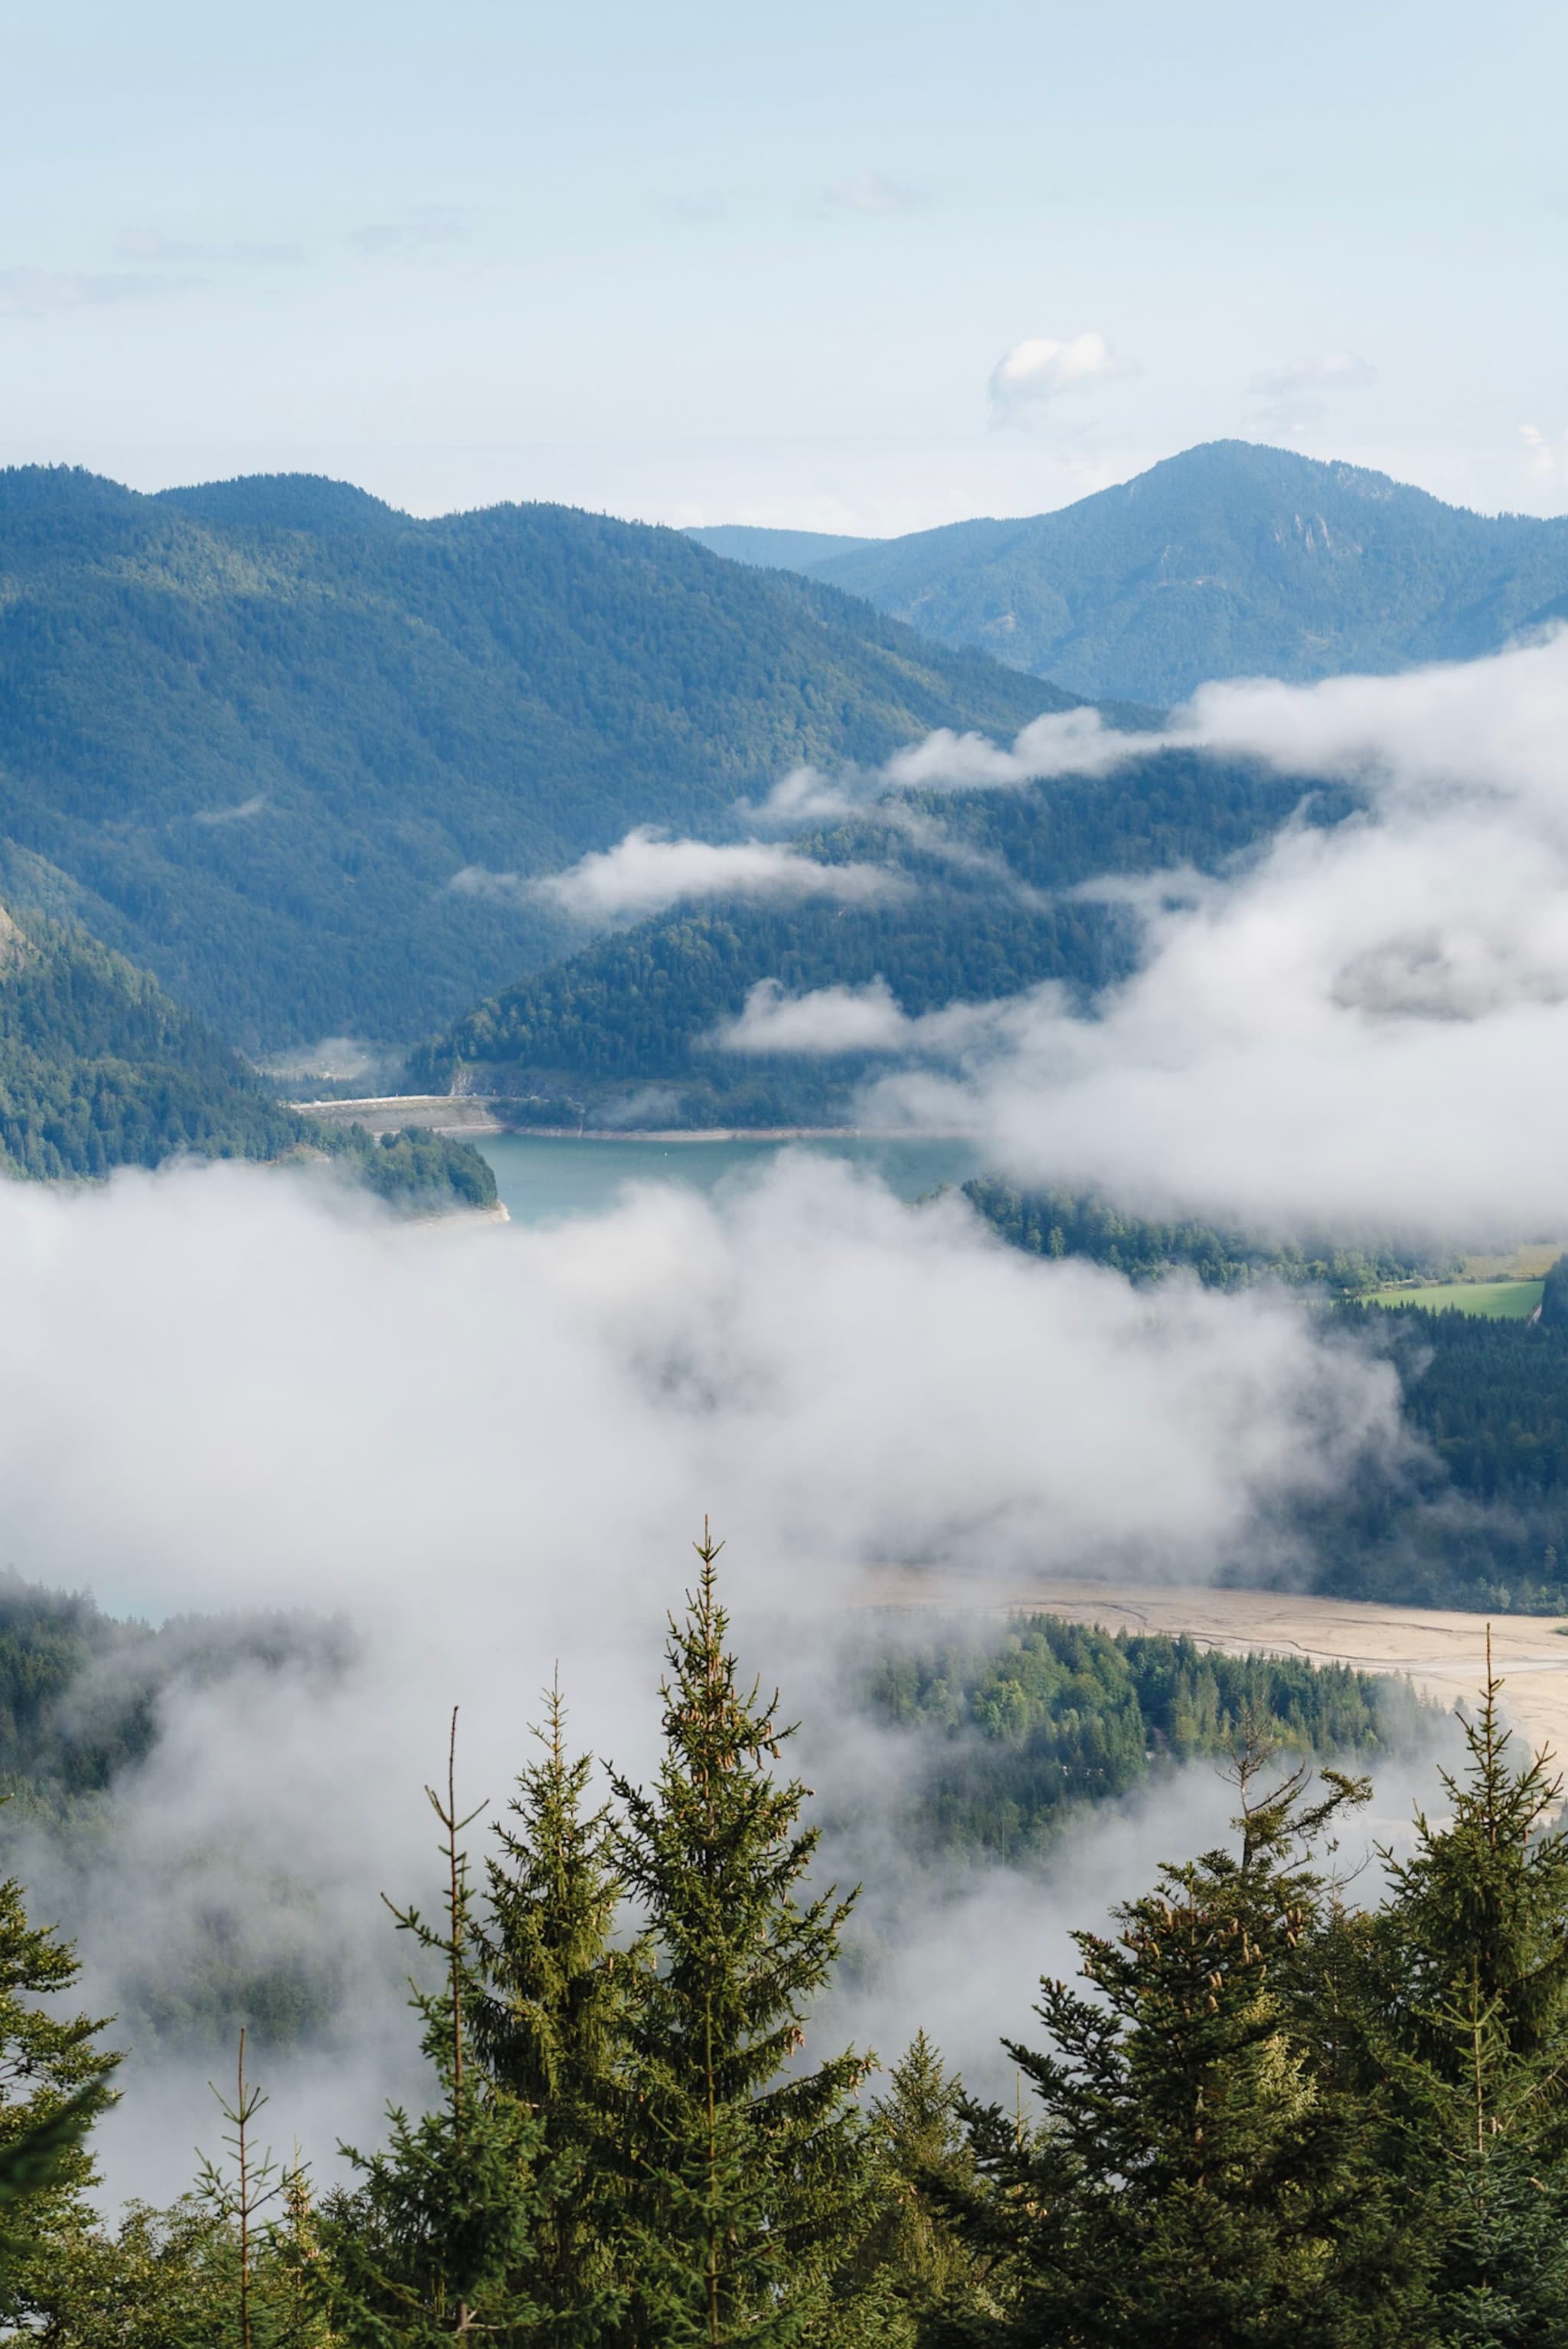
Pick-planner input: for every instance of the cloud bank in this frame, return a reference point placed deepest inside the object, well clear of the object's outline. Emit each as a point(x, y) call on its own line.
point(489, 1448)
point(646, 871)
point(1366, 1021)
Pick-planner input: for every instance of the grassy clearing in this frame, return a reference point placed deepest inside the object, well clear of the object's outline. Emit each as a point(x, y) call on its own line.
point(1492, 1300)
point(1528, 1262)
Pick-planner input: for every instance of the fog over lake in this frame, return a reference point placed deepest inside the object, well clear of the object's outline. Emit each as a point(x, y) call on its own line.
point(544, 1179)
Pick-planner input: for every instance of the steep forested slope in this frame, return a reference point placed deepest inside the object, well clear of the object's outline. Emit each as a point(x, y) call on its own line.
point(1230, 559)
point(99, 1069)
point(249, 733)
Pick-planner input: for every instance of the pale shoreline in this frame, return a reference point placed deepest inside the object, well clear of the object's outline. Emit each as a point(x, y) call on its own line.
point(446, 1114)
point(1440, 1651)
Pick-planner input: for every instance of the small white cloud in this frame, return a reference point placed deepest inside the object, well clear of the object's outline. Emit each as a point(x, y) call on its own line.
point(645, 872)
point(805, 795)
point(1038, 370)
point(46, 293)
point(150, 245)
point(870, 192)
point(236, 814)
point(1547, 459)
point(1290, 415)
point(422, 229)
point(833, 1020)
point(1065, 743)
point(704, 210)
point(1332, 371)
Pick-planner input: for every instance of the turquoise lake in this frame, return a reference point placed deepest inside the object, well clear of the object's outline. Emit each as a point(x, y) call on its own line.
point(544, 1180)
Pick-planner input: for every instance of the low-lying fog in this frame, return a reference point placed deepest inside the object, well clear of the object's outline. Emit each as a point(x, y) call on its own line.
point(489, 1449)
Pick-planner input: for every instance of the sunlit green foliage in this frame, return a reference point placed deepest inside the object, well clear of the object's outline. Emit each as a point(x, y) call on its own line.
point(1019, 1731)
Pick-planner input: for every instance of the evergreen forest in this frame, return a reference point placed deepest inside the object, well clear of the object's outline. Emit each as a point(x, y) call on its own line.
point(1004, 1742)
point(251, 732)
point(1273, 2106)
point(986, 905)
point(99, 1068)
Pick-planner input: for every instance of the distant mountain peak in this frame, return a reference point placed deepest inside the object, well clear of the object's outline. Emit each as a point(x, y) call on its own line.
point(1231, 558)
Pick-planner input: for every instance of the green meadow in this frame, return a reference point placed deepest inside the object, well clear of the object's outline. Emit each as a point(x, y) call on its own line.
point(1493, 1300)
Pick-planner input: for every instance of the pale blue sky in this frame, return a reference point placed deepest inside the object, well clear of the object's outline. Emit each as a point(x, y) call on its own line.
point(707, 262)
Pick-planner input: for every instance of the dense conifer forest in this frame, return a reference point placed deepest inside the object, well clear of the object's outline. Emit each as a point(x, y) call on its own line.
point(1276, 2106)
point(1086, 1224)
point(252, 731)
point(1013, 1737)
point(987, 909)
point(99, 1069)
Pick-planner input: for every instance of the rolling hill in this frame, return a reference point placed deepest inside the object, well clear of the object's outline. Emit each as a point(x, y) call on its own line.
point(1229, 560)
point(250, 733)
point(987, 908)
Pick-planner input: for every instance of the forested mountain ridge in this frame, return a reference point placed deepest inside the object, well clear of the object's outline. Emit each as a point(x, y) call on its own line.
point(249, 733)
point(1232, 559)
point(989, 910)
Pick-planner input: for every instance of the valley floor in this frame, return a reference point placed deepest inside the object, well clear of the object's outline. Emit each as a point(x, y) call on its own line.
point(1442, 1652)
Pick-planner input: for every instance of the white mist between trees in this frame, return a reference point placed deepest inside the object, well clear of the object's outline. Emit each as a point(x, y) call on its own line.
point(482, 1447)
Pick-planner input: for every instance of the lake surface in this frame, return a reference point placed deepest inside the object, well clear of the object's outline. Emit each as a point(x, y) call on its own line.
point(544, 1179)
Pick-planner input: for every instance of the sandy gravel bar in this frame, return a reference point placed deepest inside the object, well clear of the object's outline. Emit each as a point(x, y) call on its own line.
point(1442, 1652)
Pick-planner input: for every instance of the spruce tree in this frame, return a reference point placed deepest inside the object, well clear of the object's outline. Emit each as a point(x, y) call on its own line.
point(1466, 2026)
point(550, 2023)
point(920, 2152)
point(54, 2083)
point(431, 2243)
point(1185, 2182)
point(746, 2171)
point(912, 2269)
point(255, 2203)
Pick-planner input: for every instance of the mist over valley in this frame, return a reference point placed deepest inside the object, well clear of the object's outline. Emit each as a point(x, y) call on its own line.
point(784, 1370)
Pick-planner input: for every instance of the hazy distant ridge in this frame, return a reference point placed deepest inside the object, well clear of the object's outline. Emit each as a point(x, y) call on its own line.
point(1229, 560)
